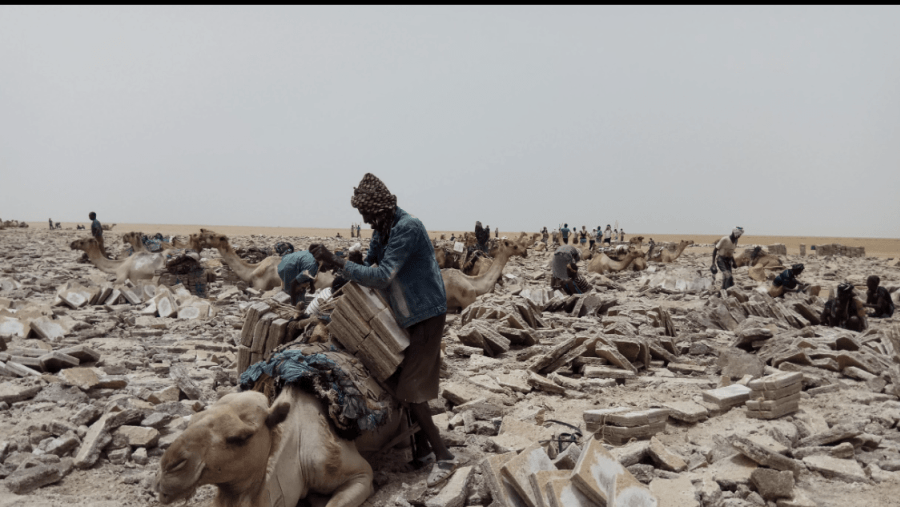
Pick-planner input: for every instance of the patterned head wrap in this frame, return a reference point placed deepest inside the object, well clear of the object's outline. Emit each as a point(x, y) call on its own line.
point(283, 248)
point(845, 288)
point(797, 268)
point(738, 231)
point(372, 196)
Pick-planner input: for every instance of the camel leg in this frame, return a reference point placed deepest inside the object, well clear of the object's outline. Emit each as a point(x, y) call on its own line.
point(353, 492)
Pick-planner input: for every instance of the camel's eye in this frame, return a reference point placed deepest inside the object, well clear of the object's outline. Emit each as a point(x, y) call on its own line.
point(178, 466)
point(239, 439)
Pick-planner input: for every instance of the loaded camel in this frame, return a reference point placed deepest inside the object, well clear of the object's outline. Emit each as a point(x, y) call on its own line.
point(666, 256)
point(462, 289)
point(261, 276)
point(255, 453)
point(141, 266)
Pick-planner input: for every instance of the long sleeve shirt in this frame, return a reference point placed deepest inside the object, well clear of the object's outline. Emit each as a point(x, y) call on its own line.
point(407, 272)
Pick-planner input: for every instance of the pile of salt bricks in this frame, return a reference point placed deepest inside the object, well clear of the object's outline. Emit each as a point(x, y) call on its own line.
point(775, 396)
point(618, 425)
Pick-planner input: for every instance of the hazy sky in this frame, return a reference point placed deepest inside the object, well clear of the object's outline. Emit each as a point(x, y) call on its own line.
point(784, 120)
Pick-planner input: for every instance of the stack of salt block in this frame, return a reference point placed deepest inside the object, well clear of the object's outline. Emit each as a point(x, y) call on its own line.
point(620, 424)
point(264, 329)
point(365, 325)
point(775, 396)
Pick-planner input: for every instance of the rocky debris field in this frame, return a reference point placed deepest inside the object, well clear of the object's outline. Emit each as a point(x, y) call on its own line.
point(667, 388)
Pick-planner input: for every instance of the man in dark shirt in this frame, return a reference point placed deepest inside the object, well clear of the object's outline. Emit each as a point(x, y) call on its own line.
point(481, 237)
point(97, 232)
point(564, 231)
point(879, 299)
point(787, 281)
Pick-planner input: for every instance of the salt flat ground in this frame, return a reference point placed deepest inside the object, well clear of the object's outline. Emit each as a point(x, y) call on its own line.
point(876, 247)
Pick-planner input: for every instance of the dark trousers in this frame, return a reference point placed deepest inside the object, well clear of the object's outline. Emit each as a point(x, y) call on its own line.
point(724, 265)
point(566, 240)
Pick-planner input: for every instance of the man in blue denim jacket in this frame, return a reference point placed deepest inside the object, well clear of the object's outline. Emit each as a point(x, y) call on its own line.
point(401, 264)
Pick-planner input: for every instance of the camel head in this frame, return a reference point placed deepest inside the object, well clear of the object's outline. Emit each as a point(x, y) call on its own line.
point(209, 239)
point(511, 248)
point(133, 238)
point(85, 244)
point(228, 444)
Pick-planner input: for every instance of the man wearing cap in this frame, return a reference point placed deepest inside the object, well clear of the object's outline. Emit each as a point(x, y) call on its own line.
point(787, 281)
point(408, 275)
point(723, 256)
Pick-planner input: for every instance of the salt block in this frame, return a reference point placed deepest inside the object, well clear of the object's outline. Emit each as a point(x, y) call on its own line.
point(85, 378)
point(518, 471)
point(726, 397)
point(501, 490)
point(539, 481)
point(776, 381)
point(606, 482)
point(47, 329)
point(562, 493)
point(674, 492)
point(686, 411)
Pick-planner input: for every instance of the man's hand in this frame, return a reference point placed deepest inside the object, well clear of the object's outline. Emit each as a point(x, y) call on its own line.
point(713, 269)
point(326, 257)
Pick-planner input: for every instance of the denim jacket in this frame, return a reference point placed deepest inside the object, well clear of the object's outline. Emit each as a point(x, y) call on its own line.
point(407, 272)
point(96, 229)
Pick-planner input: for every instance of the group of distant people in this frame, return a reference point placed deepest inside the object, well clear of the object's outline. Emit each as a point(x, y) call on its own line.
point(598, 235)
point(53, 225)
point(354, 231)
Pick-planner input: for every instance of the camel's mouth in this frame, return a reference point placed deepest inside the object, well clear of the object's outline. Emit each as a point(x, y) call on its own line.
point(167, 492)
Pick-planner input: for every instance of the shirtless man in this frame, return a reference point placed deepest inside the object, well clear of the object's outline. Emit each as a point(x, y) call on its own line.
point(723, 256)
point(879, 299)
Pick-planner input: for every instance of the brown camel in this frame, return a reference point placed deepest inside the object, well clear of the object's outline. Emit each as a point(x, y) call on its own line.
point(260, 456)
point(667, 256)
point(603, 264)
point(462, 290)
point(260, 276)
point(137, 267)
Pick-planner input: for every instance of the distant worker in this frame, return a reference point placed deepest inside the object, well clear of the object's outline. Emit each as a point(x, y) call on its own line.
point(497, 233)
point(616, 235)
point(564, 271)
point(723, 256)
point(787, 281)
point(97, 232)
point(352, 230)
point(481, 237)
point(452, 237)
point(622, 235)
point(583, 235)
point(879, 299)
point(545, 235)
point(844, 310)
point(607, 235)
point(51, 223)
point(487, 230)
point(564, 231)
point(554, 236)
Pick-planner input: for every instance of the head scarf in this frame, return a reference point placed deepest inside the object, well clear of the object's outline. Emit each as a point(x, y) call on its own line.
point(737, 232)
point(797, 268)
point(372, 196)
point(845, 288)
point(283, 248)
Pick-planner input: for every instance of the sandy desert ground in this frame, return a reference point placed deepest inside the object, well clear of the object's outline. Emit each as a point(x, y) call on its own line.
point(138, 349)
